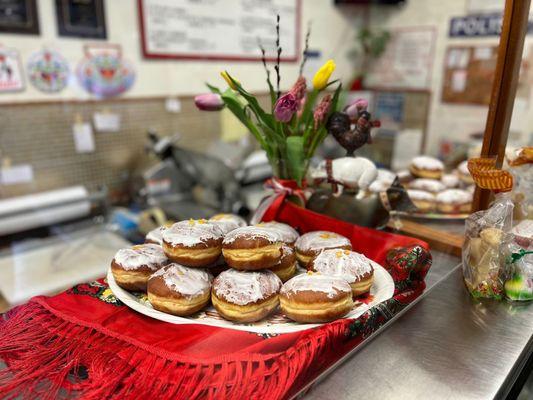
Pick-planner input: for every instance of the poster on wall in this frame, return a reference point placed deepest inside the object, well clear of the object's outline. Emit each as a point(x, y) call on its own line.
point(11, 79)
point(406, 62)
point(204, 29)
point(19, 16)
point(48, 71)
point(81, 18)
point(103, 71)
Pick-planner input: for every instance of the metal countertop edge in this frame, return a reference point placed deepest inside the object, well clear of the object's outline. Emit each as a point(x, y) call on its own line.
point(352, 352)
point(516, 371)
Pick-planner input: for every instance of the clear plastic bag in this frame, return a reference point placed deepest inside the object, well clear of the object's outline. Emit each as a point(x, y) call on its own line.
point(486, 234)
point(519, 266)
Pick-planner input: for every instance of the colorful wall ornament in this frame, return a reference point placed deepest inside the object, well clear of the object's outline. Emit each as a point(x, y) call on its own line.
point(103, 72)
point(48, 71)
point(11, 79)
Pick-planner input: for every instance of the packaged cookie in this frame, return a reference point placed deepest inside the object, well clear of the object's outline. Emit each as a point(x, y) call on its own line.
point(486, 234)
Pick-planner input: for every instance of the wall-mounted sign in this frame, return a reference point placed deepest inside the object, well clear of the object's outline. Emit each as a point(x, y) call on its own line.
point(11, 79)
point(19, 16)
point(481, 25)
point(81, 18)
point(104, 72)
point(207, 29)
point(48, 71)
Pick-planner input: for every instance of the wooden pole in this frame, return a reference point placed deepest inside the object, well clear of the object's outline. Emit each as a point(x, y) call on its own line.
point(514, 28)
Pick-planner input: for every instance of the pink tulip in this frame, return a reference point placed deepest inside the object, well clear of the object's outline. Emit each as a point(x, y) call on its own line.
point(285, 107)
point(321, 111)
point(355, 108)
point(209, 102)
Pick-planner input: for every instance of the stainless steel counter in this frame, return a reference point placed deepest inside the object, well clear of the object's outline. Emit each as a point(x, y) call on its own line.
point(444, 346)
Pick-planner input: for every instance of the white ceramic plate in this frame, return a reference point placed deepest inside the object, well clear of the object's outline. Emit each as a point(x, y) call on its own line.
point(382, 289)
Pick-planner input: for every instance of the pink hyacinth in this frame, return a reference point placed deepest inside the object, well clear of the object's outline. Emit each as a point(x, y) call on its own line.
point(299, 88)
point(355, 108)
point(321, 111)
point(285, 107)
point(209, 102)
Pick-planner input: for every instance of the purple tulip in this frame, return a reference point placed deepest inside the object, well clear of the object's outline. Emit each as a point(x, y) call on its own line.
point(209, 102)
point(285, 107)
point(355, 108)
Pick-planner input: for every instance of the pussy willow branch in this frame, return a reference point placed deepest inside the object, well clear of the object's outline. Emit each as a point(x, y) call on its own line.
point(278, 78)
point(306, 48)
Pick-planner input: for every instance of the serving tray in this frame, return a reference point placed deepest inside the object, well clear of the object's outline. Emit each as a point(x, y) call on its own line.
point(382, 289)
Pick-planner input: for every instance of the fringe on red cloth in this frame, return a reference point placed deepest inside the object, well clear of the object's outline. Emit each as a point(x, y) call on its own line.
point(50, 358)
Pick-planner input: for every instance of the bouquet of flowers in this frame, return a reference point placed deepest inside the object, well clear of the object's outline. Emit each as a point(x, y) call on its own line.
point(295, 123)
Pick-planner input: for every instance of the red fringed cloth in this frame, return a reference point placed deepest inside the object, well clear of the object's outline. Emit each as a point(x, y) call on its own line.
point(85, 343)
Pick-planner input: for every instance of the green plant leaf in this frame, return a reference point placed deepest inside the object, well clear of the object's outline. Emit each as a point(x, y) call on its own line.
point(296, 157)
point(261, 115)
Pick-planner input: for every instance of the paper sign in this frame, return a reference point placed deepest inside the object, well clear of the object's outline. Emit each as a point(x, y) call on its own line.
point(459, 81)
point(482, 53)
point(106, 122)
point(173, 105)
point(22, 173)
point(83, 137)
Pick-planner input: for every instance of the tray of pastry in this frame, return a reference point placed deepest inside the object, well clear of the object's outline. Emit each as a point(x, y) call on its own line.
point(264, 278)
point(435, 193)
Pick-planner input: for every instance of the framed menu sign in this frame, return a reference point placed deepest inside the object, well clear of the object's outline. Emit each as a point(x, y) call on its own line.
point(219, 29)
point(19, 16)
point(81, 18)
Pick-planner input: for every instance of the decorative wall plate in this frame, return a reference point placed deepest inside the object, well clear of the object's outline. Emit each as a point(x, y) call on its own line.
point(48, 71)
point(103, 72)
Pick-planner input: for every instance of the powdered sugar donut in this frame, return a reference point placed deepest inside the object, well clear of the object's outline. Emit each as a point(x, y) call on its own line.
point(314, 297)
point(193, 243)
point(252, 248)
point(245, 296)
point(288, 233)
point(286, 268)
point(450, 180)
point(428, 185)
point(353, 267)
point(464, 173)
point(426, 167)
point(179, 290)
point(311, 244)
point(155, 236)
point(131, 267)
point(423, 200)
point(454, 201)
point(227, 222)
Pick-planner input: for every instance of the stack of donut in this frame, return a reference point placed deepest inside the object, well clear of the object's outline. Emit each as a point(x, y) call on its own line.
point(432, 190)
point(245, 272)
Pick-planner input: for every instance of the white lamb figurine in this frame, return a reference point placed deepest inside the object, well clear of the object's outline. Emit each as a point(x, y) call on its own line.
point(355, 172)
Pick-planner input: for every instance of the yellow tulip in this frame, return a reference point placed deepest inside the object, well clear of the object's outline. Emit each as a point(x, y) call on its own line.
point(226, 77)
point(320, 80)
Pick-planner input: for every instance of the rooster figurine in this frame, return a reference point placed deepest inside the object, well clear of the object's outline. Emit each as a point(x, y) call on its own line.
point(340, 126)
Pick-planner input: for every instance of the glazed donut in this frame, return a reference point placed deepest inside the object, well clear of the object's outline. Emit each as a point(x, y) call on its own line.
point(227, 222)
point(353, 267)
point(288, 234)
point(450, 180)
point(193, 243)
point(179, 290)
point(454, 201)
point(252, 248)
point(311, 244)
point(286, 268)
point(428, 185)
point(423, 200)
point(314, 297)
point(464, 173)
point(426, 167)
point(244, 296)
point(132, 267)
point(217, 267)
point(155, 236)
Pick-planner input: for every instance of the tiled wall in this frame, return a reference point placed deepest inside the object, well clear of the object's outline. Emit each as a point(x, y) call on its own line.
point(41, 134)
